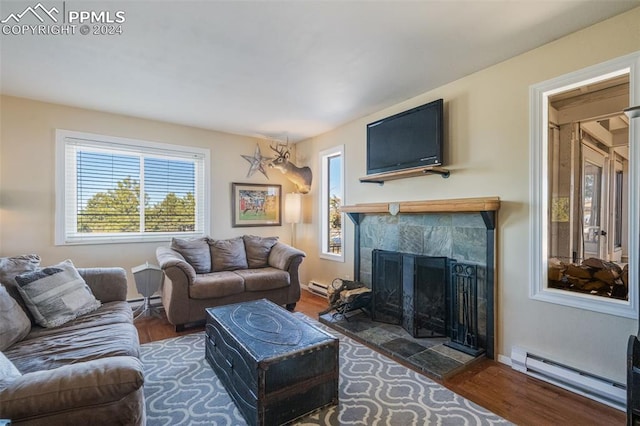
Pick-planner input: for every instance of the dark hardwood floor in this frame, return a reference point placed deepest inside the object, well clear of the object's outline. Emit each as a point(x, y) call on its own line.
point(515, 396)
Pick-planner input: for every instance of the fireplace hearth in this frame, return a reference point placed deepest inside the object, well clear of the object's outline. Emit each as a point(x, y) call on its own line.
point(429, 356)
point(460, 229)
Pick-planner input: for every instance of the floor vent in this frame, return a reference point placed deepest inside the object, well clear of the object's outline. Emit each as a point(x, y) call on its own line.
point(318, 288)
point(597, 388)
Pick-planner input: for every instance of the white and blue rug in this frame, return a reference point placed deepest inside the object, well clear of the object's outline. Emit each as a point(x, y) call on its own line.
point(181, 389)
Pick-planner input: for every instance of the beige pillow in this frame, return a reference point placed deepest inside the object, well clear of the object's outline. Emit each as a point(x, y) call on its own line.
point(228, 255)
point(56, 294)
point(12, 266)
point(195, 252)
point(258, 249)
point(14, 323)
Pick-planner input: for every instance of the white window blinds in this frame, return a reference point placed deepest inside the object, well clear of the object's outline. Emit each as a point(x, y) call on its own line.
point(123, 190)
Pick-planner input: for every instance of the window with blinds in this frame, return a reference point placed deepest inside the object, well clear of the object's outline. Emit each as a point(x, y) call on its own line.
point(121, 190)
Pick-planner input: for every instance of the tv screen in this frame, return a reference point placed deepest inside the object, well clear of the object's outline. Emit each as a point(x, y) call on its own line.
point(413, 138)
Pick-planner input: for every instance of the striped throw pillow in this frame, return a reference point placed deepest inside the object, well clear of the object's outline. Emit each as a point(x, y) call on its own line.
point(56, 294)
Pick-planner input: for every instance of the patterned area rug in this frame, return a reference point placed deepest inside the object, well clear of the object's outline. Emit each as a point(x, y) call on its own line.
point(181, 389)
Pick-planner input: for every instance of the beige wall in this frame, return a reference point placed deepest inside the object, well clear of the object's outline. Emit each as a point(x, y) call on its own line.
point(488, 141)
point(487, 122)
point(27, 169)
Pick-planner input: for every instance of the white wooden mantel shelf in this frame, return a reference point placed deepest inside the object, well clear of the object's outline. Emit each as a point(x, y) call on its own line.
point(457, 205)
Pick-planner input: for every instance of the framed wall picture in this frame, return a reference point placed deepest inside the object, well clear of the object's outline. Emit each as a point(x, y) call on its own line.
point(256, 204)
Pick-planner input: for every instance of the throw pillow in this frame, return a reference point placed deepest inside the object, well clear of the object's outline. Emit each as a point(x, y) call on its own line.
point(14, 323)
point(258, 249)
point(8, 371)
point(12, 266)
point(228, 255)
point(56, 294)
point(195, 252)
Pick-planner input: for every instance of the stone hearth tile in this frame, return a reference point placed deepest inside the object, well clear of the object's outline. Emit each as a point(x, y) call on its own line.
point(468, 220)
point(469, 244)
point(376, 335)
point(428, 342)
point(438, 219)
point(403, 347)
point(434, 363)
point(393, 328)
point(411, 239)
point(356, 324)
point(452, 353)
point(438, 241)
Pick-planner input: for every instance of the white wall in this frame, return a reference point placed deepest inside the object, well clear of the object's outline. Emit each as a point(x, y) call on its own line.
point(27, 170)
point(486, 117)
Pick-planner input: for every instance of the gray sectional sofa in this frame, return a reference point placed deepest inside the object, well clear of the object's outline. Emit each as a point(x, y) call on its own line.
point(85, 371)
point(203, 273)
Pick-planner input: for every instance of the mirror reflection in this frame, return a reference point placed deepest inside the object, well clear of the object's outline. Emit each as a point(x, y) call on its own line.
point(588, 157)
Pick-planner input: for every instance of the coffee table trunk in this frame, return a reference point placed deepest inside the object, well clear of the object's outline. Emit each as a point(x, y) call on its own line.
point(276, 367)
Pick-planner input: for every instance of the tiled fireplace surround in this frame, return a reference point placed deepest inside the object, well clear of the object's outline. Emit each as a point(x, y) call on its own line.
point(461, 229)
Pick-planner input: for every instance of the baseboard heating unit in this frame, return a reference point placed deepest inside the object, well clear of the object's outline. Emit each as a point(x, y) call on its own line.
point(597, 388)
point(318, 288)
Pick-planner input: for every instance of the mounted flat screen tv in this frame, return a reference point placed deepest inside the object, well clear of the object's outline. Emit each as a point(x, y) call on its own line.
point(407, 140)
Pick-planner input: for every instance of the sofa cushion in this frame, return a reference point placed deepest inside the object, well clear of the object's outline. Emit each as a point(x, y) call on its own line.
point(71, 346)
point(8, 371)
point(99, 392)
point(56, 294)
point(196, 252)
point(264, 279)
point(257, 249)
point(108, 313)
point(216, 284)
point(14, 323)
point(228, 255)
point(16, 265)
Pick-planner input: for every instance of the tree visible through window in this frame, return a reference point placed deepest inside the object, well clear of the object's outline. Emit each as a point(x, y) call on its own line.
point(335, 201)
point(332, 164)
point(119, 191)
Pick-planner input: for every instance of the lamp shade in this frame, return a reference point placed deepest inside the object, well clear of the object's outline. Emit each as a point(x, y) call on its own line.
point(292, 208)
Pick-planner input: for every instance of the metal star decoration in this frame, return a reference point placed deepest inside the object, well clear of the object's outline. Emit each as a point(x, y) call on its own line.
point(257, 162)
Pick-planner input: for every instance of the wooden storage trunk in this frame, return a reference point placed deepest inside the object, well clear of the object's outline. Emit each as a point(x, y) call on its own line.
point(275, 366)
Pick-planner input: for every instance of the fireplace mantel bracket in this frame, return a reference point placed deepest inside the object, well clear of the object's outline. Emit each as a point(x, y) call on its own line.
point(489, 218)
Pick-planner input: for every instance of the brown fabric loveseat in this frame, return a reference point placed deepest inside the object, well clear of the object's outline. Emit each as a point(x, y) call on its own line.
point(203, 273)
point(86, 371)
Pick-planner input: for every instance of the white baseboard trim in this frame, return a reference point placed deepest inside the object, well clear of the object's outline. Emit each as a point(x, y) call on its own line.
point(583, 383)
point(154, 300)
point(503, 359)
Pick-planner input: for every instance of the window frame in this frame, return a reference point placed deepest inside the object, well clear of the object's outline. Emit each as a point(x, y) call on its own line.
point(538, 191)
point(65, 202)
point(325, 155)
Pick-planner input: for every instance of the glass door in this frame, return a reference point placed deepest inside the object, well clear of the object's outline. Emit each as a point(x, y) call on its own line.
point(593, 205)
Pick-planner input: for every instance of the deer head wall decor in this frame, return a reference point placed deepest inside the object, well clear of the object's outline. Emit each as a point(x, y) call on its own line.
point(300, 176)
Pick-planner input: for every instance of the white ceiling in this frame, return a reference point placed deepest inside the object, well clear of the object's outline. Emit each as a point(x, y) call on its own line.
point(277, 69)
